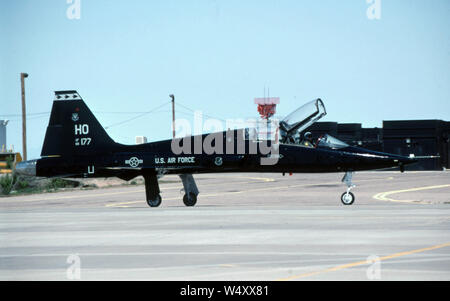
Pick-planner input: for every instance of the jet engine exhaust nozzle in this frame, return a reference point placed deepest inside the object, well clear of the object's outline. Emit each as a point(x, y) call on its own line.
point(26, 168)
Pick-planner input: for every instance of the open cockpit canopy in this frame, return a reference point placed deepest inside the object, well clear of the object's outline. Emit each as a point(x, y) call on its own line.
point(301, 119)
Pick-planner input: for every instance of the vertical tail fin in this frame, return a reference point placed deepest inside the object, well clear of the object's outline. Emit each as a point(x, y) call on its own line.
point(73, 129)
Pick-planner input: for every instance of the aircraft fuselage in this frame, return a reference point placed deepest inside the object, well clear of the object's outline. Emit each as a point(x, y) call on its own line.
point(128, 162)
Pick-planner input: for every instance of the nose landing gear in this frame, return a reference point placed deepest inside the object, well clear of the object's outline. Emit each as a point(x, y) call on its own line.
point(348, 198)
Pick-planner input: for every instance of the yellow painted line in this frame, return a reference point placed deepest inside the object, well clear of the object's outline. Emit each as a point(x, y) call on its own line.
point(228, 265)
point(225, 193)
point(244, 191)
point(72, 196)
point(255, 178)
point(383, 196)
point(364, 262)
point(281, 187)
point(124, 204)
point(94, 195)
point(214, 194)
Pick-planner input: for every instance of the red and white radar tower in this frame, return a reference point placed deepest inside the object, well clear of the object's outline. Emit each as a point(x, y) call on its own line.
point(267, 108)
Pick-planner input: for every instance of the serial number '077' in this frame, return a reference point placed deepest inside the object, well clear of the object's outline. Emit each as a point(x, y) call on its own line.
point(82, 141)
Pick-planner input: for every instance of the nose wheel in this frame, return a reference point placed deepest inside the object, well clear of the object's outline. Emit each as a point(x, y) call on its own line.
point(348, 198)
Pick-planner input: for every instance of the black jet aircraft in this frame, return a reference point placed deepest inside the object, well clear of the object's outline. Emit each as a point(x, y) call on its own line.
point(77, 146)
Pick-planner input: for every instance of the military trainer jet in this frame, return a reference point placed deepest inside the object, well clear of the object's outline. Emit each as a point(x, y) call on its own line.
point(76, 146)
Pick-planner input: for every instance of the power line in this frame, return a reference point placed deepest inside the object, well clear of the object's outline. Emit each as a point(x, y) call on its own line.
point(119, 113)
point(136, 117)
point(29, 114)
point(209, 116)
point(96, 112)
point(139, 114)
point(213, 117)
point(34, 116)
point(47, 113)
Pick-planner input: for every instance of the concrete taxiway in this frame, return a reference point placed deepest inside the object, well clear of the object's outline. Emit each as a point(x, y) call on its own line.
point(244, 227)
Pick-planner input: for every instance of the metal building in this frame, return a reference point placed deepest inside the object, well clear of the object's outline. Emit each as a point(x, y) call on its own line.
point(403, 137)
point(3, 145)
point(420, 138)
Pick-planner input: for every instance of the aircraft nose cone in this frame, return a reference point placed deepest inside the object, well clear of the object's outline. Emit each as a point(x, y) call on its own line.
point(26, 168)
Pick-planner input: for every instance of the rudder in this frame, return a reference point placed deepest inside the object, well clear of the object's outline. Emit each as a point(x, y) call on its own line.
point(73, 129)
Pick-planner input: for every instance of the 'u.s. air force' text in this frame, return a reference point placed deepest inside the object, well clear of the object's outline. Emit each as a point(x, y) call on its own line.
point(171, 160)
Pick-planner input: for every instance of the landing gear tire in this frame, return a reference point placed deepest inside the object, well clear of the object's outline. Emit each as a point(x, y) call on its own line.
point(347, 198)
point(156, 202)
point(190, 199)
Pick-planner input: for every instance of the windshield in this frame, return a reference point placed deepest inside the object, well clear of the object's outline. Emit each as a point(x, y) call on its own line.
point(302, 118)
point(331, 142)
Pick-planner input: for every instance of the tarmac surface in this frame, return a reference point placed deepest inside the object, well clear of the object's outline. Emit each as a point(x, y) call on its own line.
point(244, 227)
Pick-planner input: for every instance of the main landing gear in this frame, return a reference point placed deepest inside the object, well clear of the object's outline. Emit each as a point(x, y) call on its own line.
point(348, 198)
point(152, 191)
point(153, 195)
point(190, 189)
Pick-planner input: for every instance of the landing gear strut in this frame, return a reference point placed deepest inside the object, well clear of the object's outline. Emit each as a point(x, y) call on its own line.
point(190, 189)
point(152, 191)
point(348, 198)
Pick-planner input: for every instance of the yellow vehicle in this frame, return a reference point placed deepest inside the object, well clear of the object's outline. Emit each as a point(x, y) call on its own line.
point(5, 157)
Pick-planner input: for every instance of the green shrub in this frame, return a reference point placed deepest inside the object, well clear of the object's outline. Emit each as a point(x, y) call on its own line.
point(56, 183)
point(22, 184)
point(7, 183)
point(9, 162)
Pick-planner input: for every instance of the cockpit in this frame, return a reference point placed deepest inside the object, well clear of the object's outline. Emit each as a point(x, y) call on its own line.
point(330, 142)
point(291, 130)
point(299, 120)
point(292, 126)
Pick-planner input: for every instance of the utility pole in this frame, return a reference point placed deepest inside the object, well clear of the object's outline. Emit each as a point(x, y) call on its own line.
point(24, 116)
point(173, 114)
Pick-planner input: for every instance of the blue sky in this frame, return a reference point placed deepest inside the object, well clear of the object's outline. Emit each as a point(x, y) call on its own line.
point(216, 56)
